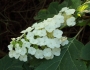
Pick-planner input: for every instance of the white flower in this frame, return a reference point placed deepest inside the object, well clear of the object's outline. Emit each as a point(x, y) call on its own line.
point(13, 39)
point(71, 21)
point(58, 20)
point(70, 11)
point(23, 40)
point(10, 47)
point(57, 33)
point(56, 51)
point(39, 54)
point(57, 42)
point(16, 55)
point(63, 38)
point(41, 32)
point(45, 40)
point(18, 38)
point(24, 51)
point(64, 9)
point(41, 41)
point(33, 41)
point(23, 58)
point(50, 27)
point(29, 35)
point(47, 52)
point(31, 50)
point(64, 41)
point(34, 25)
point(50, 43)
point(13, 53)
point(27, 30)
point(26, 44)
point(47, 21)
point(17, 45)
point(17, 48)
point(39, 25)
point(51, 57)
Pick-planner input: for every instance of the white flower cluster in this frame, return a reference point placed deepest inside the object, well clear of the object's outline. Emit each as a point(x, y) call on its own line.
point(43, 39)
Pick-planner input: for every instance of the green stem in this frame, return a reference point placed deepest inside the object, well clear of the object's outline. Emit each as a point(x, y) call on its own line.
point(82, 29)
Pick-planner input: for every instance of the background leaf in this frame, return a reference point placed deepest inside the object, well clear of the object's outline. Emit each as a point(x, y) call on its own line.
point(73, 3)
point(53, 9)
point(85, 52)
point(63, 4)
point(26, 66)
point(83, 22)
point(89, 67)
point(7, 63)
point(68, 60)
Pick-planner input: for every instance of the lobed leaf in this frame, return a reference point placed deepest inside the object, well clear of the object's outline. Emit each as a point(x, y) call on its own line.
point(68, 60)
point(7, 63)
point(73, 3)
point(85, 52)
point(53, 9)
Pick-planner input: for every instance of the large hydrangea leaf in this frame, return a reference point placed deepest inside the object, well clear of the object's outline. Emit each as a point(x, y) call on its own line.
point(7, 63)
point(52, 10)
point(85, 52)
point(68, 60)
point(73, 3)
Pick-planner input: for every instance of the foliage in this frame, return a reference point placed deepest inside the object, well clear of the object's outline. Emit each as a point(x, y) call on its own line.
point(74, 56)
point(7, 63)
point(68, 60)
point(85, 52)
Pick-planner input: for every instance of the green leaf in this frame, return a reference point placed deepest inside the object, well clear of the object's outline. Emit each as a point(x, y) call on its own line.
point(73, 3)
point(42, 14)
point(85, 52)
point(36, 62)
point(68, 60)
point(81, 8)
point(63, 4)
point(7, 63)
point(48, 13)
point(82, 22)
point(84, 8)
point(53, 8)
point(26, 66)
point(89, 67)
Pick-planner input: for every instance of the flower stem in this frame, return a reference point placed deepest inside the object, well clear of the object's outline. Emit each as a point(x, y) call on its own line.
point(81, 29)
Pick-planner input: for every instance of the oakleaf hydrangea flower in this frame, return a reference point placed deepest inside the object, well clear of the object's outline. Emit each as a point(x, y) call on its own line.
point(47, 52)
point(39, 54)
point(43, 40)
point(71, 21)
point(56, 51)
point(31, 50)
